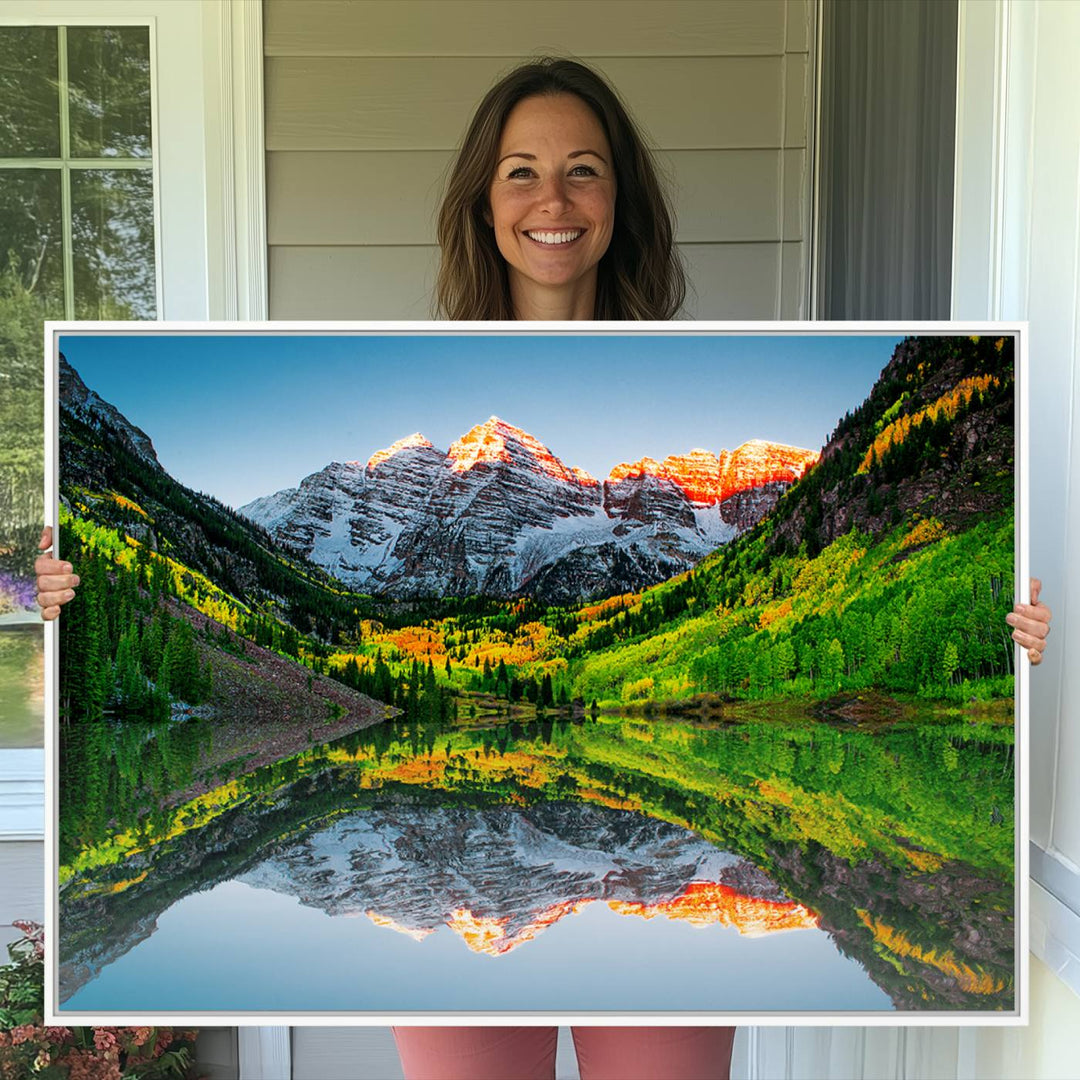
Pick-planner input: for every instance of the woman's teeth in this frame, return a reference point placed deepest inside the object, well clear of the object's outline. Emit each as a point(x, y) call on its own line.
point(554, 237)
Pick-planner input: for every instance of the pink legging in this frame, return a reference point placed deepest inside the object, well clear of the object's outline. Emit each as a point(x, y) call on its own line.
point(528, 1053)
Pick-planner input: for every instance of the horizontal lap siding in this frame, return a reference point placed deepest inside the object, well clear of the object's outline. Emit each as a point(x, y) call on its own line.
point(366, 103)
point(497, 28)
point(387, 282)
point(370, 282)
point(344, 1053)
point(723, 195)
point(413, 103)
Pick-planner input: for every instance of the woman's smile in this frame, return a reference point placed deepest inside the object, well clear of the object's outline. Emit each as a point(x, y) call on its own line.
point(554, 239)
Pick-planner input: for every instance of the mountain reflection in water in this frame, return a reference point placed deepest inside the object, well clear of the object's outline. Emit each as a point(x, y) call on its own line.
point(498, 877)
point(896, 843)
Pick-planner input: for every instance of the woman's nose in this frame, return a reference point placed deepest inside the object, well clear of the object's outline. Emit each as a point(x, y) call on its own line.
point(554, 195)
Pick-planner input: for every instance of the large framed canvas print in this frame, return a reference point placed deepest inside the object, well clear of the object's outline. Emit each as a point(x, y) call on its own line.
point(538, 673)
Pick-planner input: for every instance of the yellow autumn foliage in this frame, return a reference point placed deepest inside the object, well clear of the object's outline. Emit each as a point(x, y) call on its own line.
point(416, 642)
point(611, 604)
point(771, 791)
point(638, 689)
point(948, 404)
point(973, 980)
point(925, 531)
point(127, 504)
point(926, 861)
point(774, 612)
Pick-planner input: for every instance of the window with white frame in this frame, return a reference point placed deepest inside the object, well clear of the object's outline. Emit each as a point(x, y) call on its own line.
point(145, 201)
point(77, 240)
point(76, 170)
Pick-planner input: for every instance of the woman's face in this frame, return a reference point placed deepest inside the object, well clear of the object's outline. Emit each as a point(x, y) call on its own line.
point(552, 198)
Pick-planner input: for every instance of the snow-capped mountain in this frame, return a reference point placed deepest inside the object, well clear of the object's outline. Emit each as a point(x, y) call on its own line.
point(499, 514)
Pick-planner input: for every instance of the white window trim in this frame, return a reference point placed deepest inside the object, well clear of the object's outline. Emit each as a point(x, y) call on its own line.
point(235, 160)
point(208, 144)
point(265, 1053)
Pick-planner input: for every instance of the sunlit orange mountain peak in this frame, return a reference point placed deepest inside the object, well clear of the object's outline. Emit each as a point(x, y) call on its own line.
point(697, 473)
point(416, 933)
point(645, 466)
point(410, 442)
point(497, 441)
point(758, 462)
point(486, 934)
point(708, 903)
point(708, 478)
point(702, 904)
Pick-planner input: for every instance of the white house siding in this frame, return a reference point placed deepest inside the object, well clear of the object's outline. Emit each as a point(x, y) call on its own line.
point(366, 102)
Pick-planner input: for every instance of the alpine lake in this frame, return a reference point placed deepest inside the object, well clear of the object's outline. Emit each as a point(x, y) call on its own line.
point(727, 860)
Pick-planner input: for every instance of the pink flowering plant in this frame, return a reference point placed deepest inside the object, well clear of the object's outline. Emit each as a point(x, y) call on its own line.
point(30, 1049)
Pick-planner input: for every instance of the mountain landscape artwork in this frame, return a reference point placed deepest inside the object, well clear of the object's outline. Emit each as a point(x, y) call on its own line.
point(515, 672)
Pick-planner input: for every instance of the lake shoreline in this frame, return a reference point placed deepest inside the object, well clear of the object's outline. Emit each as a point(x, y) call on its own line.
point(851, 708)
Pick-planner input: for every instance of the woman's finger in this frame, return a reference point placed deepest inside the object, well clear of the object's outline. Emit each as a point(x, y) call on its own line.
point(55, 597)
point(49, 613)
point(56, 582)
point(46, 539)
point(45, 564)
point(1036, 627)
point(1036, 588)
point(1035, 657)
point(1028, 641)
point(1033, 611)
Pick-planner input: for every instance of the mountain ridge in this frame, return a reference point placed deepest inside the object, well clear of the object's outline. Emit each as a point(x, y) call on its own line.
point(499, 513)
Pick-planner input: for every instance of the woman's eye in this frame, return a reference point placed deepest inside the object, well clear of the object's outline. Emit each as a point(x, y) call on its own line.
point(522, 172)
point(583, 170)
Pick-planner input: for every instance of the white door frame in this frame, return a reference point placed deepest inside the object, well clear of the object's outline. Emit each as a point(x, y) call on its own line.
point(1001, 208)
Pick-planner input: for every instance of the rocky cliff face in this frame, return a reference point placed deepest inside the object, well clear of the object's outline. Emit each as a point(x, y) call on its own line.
point(935, 437)
point(93, 410)
point(500, 514)
point(109, 468)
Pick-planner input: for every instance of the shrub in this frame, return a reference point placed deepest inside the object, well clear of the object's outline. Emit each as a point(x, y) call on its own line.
point(30, 1049)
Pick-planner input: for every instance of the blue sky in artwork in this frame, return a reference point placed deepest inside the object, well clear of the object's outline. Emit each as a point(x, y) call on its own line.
point(240, 415)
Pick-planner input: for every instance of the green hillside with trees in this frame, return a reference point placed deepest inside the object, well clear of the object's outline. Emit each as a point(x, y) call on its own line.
point(887, 568)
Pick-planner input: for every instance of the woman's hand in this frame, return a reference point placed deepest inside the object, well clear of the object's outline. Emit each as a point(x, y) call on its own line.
point(55, 580)
point(1031, 624)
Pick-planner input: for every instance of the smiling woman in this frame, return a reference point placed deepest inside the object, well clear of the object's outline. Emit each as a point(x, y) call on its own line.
point(553, 209)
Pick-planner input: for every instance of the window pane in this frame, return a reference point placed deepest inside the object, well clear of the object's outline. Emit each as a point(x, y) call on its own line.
point(109, 90)
point(22, 685)
point(31, 251)
point(29, 103)
point(113, 233)
point(31, 289)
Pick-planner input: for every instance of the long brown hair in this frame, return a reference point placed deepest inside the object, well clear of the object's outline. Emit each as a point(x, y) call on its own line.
point(639, 276)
